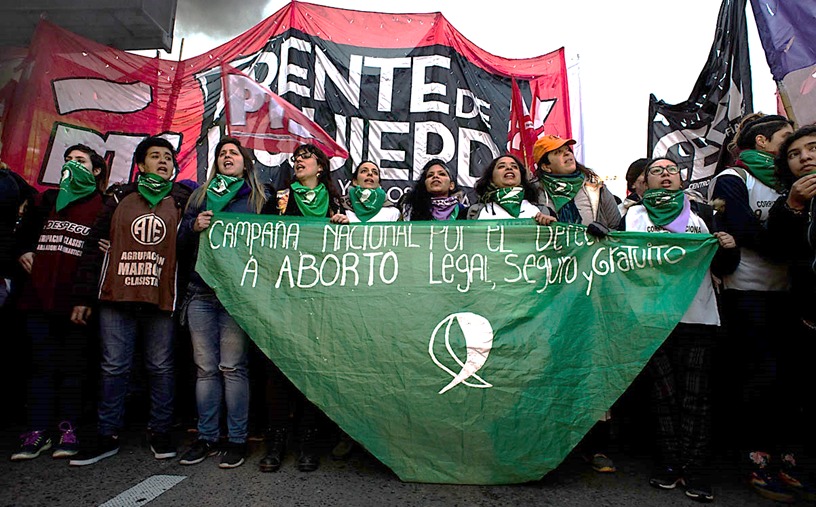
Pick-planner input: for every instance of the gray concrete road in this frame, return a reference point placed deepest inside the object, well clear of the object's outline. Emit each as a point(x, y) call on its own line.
point(359, 481)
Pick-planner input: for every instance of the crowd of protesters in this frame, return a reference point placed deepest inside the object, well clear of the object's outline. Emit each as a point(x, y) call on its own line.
point(108, 275)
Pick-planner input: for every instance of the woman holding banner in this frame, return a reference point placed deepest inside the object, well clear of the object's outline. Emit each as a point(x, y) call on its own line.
point(436, 196)
point(681, 367)
point(51, 237)
point(505, 192)
point(366, 201)
point(219, 344)
point(310, 194)
point(755, 301)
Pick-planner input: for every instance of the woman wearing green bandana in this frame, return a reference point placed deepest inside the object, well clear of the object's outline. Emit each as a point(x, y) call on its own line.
point(135, 283)
point(366, 201)
point(53, 232)
point(681, 368)
point(576, 193)
point(505, 193)
point(311, 193)
point(220, 346)
point(755, 302)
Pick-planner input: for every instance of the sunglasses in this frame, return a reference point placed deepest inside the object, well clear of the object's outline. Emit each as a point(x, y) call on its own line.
point(657, 170)
point(303, 155)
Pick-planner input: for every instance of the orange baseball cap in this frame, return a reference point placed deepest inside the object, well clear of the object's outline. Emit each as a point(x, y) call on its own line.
point(546, 144)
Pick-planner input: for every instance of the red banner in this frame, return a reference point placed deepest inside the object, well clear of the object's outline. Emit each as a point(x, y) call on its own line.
point(397, 89)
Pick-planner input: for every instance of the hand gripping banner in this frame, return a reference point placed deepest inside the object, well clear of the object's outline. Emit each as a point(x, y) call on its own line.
point(475, 353)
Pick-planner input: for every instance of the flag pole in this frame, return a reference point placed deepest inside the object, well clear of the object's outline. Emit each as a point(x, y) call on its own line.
point(783, 95)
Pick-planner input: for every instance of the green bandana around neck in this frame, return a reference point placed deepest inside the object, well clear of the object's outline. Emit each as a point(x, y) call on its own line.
point(221, 190)
point(77, 182)
point(312, 202)
point(153, 187)
point(662, 205)
point(761, 166)
point(562, 189)
point(367, 202)
point(508, 198)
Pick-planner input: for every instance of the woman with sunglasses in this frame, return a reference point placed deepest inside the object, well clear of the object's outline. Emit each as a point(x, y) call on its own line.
point(311, 193)
point(681, 367)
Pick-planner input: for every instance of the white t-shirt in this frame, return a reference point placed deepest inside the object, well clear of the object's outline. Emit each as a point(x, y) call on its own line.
point(703, 308)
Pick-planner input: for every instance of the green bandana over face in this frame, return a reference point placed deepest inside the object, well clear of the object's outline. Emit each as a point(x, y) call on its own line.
point(367, 202)
point(562, 189)
point(77, 182)
point(508, 198)
point(221, 190)
point(761, 166)
point(153, 187)
point(312, 202)
point(662, 205)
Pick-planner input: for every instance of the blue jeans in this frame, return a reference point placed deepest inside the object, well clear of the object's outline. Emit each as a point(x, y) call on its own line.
point(120, 326)
point(220, 353)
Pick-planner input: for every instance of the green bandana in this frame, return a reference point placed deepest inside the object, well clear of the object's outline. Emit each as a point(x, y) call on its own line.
point(77, 182)
point(312, 202)
point(153, 187)
point(221, 190)
point(366, 202)
point(508, 198)
point(562, 189)
point(761, 166)
point(662, 205)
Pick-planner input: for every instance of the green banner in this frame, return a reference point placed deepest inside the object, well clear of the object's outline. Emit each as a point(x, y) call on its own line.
point(472, 352)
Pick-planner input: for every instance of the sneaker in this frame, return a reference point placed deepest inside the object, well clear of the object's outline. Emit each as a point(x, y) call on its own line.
point(34, 443)
point(602, 464)
point(201, 450)
point(795, 479)
point(768, 486)
point(233, 456)
point(106, 446)
point(68, 443)
point(698, 488)
point(666, 478)
point(161, 445)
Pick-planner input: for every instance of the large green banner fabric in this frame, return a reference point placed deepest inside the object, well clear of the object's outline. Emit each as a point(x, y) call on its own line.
point(463, 352)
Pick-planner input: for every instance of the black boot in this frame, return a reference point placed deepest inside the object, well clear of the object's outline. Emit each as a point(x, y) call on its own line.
point(308, 461)
point(275, 450)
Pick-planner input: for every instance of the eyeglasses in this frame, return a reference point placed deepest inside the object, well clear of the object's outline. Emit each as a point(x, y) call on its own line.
point(303, 155)
point(658, 170)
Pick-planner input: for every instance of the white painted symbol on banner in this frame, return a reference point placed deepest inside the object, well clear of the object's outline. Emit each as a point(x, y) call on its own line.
point(479, 339)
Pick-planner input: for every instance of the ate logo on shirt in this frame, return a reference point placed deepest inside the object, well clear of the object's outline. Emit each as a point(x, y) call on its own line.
point(148, 229)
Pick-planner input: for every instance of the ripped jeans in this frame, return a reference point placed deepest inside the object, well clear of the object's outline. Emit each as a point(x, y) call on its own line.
point(220, 354)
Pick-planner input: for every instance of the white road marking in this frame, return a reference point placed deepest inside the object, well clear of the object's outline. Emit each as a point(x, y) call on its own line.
point(145, 491)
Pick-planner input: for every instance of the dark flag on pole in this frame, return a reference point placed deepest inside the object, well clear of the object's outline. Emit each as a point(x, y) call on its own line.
point(694, 131)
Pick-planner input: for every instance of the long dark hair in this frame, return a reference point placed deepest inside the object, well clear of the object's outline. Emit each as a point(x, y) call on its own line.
point(323, 162)
point(419, 199)
point(486, 179)
point(781, 167)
